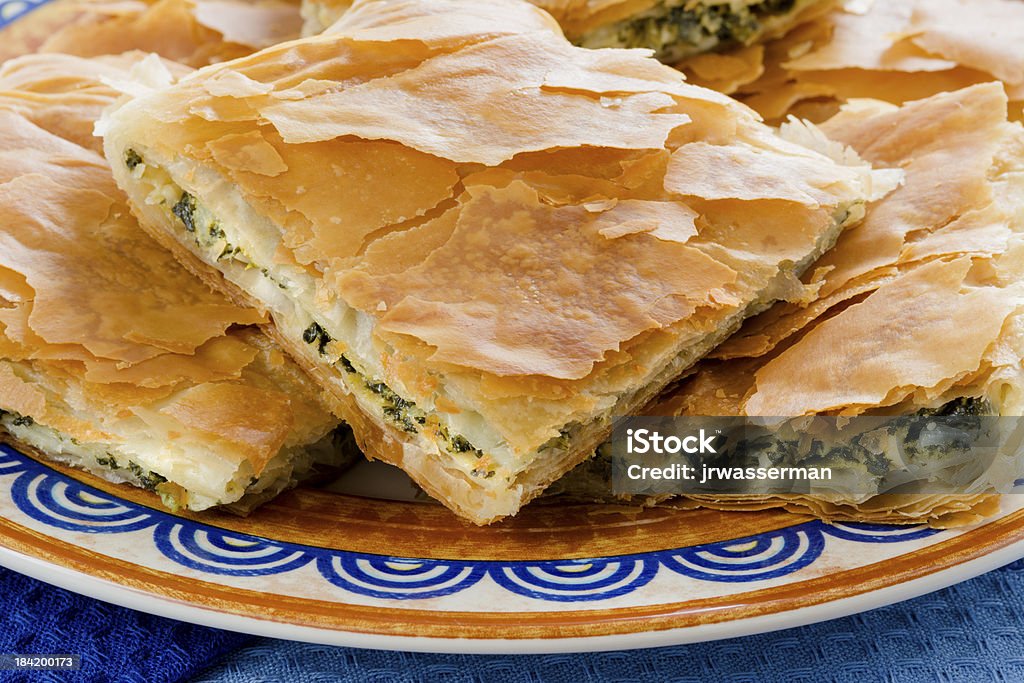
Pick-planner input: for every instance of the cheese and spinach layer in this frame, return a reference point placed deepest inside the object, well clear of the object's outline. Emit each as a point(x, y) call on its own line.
point(677, 29)
point(930, 446)
point(180, 481)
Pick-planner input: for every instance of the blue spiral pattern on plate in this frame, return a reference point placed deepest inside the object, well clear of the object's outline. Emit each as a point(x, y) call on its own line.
point(11, 462)
point(11, 10)
point(227, 553)
point(62, 502)
point(576, 580)
point(765, 556)
point(59, 501)
point(398, 578)
point(876, 533)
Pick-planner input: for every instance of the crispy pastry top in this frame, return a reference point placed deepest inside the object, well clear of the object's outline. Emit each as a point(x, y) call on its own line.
point(921, 302)
point(535, 222)
point(893, 51)
point(193, 32)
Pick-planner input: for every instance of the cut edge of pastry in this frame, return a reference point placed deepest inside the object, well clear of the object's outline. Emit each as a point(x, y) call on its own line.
point(120, 463)
point(591, 482)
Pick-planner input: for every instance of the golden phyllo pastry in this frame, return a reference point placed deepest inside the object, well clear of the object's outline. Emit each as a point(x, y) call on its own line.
point(483, 241)
point(892, 50)
point(113, 357)
point(192, 32)
point(674, 29)
point(678, 29)
point(919, 310)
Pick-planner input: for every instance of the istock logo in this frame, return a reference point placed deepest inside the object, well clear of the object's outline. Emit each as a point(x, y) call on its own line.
point(643, 441)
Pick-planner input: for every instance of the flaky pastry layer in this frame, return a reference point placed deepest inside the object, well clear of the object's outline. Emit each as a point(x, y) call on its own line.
point(892, 51)
point(191, 32)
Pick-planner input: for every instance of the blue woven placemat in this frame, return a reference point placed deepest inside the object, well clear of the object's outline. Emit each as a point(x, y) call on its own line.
point(116, 644)
point(970, 633)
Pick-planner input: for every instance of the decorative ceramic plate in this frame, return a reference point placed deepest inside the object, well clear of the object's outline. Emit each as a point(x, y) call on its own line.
point(354, 566)
point(338, 568)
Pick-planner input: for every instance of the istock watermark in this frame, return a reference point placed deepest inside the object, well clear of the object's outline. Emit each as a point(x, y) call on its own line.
point(962, 453)
point(643, 441)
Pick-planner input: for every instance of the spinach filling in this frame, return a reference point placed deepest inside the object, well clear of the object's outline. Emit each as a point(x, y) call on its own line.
point(964, 418)
point(967, 407)
point(185, 210)
point(109, 462)
point(461, 444)
point(401, 412)
point(132, 159)
point(678, 31)
point(206, 233)
point(347, 364)
point(396, 408)
point(148, 480)
point(17, 419)
point(316, 334)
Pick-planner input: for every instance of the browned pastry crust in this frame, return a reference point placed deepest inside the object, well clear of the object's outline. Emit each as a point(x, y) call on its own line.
point(192, 32)
point(631, 23)
point(892, 51)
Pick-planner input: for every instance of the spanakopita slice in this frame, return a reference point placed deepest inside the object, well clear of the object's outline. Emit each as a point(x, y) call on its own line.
point(113, 357)
point(482, 240)
point(191, 32)
point(917, 311)
point(674, 29)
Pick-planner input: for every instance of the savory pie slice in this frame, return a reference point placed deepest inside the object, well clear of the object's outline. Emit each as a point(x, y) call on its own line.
point(113, 357)
point(674, 29)
point(192, 32)
point(677, 29)
point(481, 264)
point(919, 310)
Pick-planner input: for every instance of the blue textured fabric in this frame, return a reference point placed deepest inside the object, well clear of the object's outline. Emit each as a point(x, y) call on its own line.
point(970, 633)
point(116, 644)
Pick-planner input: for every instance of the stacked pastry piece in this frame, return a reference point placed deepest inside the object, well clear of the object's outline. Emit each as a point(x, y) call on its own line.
point(481, 263)
point(919, 310)
point(678, 29)
point(112, 356)
point(673, 29)
point(803, 57)
point(192, 32)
